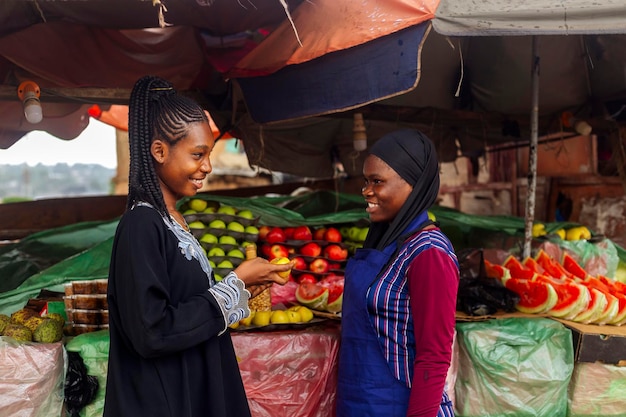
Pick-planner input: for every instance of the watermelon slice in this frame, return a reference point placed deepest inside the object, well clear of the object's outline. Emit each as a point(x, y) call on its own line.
point(612, 308)
point(611, 311)
point(517, 269)
point(496, 271)
point(597, 306)
point(532, 264)
point(551, 266)
point(334, 283)
point(312, 295)
point(573, 267)
point(617, 289)
point(535, 296)
point(573, 298)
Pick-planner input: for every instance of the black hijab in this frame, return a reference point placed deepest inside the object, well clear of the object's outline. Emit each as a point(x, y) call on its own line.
point(413, 156)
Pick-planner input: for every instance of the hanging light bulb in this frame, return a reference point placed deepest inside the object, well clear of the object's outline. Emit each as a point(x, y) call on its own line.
point(580, 126)
point(359, 136)
point(28, 92)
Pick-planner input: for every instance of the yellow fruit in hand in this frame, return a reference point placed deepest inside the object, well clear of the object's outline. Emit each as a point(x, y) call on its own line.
point(279, 261)
point(261, 318)
point(246, 321)
point(306, 315)
point(577, 233)
point(279, 317)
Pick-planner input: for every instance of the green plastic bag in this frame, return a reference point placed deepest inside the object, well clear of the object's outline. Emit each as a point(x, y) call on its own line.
point(515, 367)
point(94, 350)
point(597, 389)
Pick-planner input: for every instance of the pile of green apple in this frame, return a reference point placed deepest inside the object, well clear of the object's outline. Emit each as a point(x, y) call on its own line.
point(223, 232)
point(353, 236)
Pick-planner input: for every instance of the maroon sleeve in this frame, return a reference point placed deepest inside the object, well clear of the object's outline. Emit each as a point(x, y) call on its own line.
point(433, 283)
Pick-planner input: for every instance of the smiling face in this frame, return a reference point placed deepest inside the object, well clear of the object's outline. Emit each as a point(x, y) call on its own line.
point(385, 191)
point(182, 168)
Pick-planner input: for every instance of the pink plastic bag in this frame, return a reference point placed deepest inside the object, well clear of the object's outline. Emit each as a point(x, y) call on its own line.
point(291, 372)
point(32, 376)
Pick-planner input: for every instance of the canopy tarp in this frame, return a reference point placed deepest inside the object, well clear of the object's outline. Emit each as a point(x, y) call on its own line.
point(460, 82)
point(530, 17)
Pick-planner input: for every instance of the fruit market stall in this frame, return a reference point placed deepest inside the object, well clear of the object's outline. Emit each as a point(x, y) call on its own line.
point(517, 353)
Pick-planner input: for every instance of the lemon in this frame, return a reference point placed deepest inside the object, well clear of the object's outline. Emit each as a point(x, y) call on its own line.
point(279, 317)
point(234, 325)
point(294, 316)
point(306, 315)
point(246, 321)
point(577, 233)
point(539, 229)
point(261, 318)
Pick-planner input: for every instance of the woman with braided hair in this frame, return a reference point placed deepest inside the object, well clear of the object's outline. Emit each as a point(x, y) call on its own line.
point(170, 351)
point(399, 304)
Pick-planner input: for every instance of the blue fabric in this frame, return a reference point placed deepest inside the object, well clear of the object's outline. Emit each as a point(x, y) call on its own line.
point(338, 80)
point(365, 387)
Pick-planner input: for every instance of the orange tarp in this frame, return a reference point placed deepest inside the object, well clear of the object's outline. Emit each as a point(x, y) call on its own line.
point(325, 26)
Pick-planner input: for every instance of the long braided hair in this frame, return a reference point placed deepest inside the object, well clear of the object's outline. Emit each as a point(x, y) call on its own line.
point(156, 111)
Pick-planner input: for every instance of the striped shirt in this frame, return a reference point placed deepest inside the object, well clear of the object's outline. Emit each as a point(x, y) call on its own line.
point(389, 302)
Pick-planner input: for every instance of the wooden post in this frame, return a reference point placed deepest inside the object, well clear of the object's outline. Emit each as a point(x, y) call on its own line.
point(532, 155)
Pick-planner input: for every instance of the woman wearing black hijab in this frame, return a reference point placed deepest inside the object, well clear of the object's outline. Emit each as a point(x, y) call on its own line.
point(399, 305)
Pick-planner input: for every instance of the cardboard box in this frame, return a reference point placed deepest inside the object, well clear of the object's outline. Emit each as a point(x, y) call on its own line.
point(593, 343)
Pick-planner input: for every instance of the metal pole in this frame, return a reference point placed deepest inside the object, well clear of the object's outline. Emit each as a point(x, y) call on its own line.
point(532, 152)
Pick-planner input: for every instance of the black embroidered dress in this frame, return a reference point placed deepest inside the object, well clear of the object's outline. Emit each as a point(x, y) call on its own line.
point(170, 351)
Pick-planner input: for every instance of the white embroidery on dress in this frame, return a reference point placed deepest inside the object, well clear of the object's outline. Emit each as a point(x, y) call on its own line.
point(188, 244)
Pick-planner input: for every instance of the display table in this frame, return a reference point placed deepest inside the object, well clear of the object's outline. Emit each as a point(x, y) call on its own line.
point(291, 372)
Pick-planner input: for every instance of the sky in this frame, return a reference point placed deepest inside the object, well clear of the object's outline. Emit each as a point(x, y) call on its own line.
point(95, 145)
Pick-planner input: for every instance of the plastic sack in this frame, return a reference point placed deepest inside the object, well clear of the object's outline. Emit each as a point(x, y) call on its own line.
point(284, 294)
point(289, 373)
point(94, 350)
point(517, 367)
point(597, 258)
point(80, 388)
point(452, 370)
point(597, 389)
point(31, 378)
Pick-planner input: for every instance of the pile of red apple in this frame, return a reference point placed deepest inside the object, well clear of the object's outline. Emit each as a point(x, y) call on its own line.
point(317, 252)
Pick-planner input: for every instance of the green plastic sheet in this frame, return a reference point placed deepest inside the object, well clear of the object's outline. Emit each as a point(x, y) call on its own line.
point(94, 350)
point(41, 250)
point(514, 367)
point(90, 264)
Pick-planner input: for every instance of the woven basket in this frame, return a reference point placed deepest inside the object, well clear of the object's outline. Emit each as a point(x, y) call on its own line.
point(263, 301)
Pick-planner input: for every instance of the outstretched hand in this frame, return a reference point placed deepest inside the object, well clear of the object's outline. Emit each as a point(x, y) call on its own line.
point(260, 272)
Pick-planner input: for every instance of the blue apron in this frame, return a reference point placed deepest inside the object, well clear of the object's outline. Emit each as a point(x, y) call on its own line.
point(366, 386)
